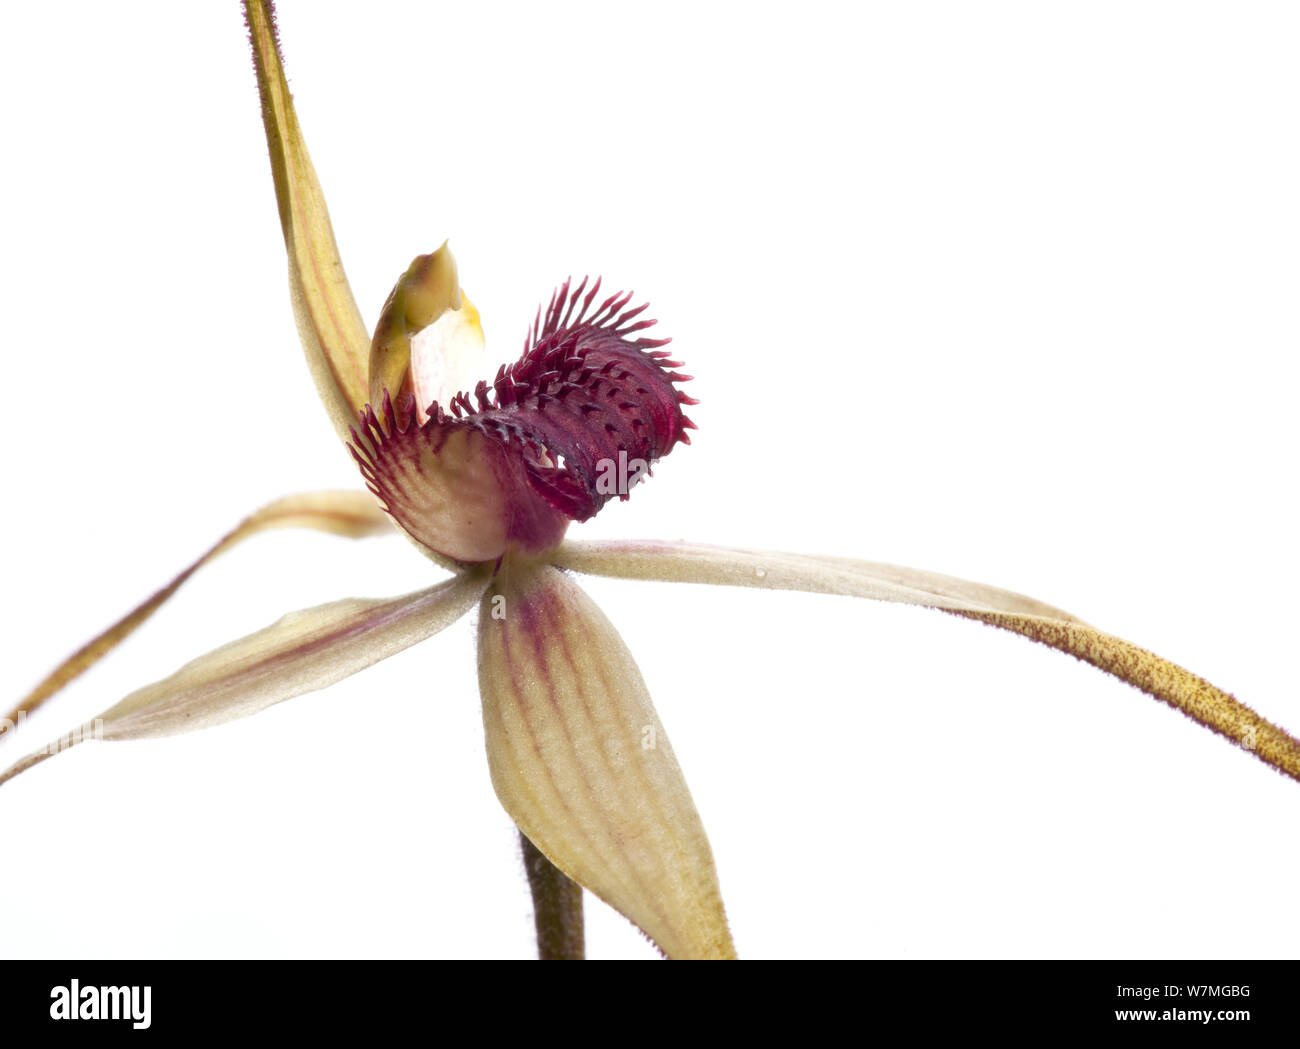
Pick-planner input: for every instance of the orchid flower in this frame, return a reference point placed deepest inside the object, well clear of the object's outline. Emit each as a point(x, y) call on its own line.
point(486, 488)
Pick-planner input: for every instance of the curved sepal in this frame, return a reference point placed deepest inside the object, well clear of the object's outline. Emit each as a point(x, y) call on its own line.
point(303, 652)
point(1194, 696)
point(333, 334)
point(580, 762)
point(353, 515)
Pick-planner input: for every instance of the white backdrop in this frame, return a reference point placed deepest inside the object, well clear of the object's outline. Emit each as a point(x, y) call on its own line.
point(1006, 291)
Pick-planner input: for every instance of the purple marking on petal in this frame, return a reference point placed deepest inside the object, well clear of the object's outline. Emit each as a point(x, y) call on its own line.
point(581, 397)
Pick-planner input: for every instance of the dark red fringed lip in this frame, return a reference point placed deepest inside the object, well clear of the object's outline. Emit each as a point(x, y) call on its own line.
point(585, 409)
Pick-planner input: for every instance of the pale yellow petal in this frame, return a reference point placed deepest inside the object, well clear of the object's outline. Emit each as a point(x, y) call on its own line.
point(696, 563)
point(333, 335)
point(303, 652)
point(354, 515)
point(700, 563)
point(582, 765)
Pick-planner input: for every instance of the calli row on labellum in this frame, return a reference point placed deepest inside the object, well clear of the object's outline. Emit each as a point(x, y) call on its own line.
point(536, 449)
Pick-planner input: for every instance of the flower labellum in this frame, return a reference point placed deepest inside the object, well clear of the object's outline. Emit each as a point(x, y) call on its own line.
point(548, 442)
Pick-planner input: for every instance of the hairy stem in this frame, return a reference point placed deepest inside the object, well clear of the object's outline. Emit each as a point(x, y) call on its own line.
point(557, 907)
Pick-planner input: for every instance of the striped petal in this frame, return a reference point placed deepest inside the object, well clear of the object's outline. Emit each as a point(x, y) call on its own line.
point(329, 323)
point(351, 514)
point(582, 765)
point(1166, 681)
point(303, 652)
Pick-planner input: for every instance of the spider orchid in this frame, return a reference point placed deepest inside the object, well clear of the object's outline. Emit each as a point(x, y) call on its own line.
point(484, 474)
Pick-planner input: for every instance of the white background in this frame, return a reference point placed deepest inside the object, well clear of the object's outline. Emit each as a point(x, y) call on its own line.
point(1006, 291)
